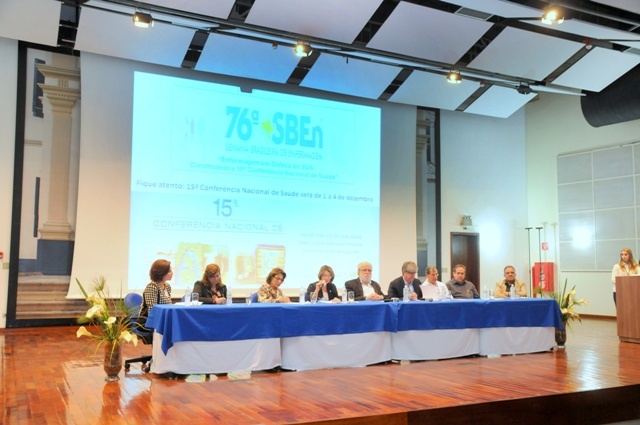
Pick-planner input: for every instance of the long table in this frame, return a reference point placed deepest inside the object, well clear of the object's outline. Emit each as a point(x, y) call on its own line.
point(224, 338)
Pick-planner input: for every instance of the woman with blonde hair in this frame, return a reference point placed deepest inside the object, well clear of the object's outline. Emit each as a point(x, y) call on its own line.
point(626, 267)
point(211, 288)
point(324, 289)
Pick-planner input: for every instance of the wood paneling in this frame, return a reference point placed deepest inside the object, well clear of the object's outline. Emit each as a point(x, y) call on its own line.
point(49, 376)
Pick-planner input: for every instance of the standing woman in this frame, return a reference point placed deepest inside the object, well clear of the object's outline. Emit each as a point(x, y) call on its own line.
point(626, 267)
point(324, 289)
point(211, 288)
point(270, 292)
point(158, 291)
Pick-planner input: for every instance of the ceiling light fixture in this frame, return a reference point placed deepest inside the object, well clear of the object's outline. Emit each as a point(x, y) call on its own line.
point(302, 50)
point(454, 77)
point(552, 14)
point(142, 20)
point(524, 88)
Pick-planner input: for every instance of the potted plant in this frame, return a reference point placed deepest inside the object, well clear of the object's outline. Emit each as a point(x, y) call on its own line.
point(110, 324)
point(567, 303)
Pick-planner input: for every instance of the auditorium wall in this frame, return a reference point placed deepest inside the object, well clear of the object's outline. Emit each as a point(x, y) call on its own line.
point(483, 175)
point(8, 72)
point(554, 126)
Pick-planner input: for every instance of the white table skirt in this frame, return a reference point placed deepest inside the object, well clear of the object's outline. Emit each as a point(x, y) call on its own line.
point(516, 340)
point(434, 344)
point(215, 356)
point(333, 351)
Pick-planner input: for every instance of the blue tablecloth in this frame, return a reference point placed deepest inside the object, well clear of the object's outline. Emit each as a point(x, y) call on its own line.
point(255, 321)
point(240, 321)
point(463, 314)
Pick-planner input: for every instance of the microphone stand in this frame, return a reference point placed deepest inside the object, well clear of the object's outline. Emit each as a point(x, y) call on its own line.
point(541, 273)
point(528, 229)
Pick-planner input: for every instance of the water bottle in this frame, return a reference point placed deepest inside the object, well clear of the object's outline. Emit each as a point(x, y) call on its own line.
point(229, 296)
point(187, 296)
point(512, 292)
point(303, 294)
point(405, 294)
point(485, 293)
point(344, 295)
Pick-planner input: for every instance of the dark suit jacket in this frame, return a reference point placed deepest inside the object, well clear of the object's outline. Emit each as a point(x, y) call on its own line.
point(206, 293)
point(332, 291)
point(396, 288)
point(356, 286)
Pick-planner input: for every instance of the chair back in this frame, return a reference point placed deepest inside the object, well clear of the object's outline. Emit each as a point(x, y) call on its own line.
point(133, 302)
point(254, 297)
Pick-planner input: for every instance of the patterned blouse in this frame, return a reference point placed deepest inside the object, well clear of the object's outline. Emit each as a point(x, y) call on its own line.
point(152, 296)
point(266, 294)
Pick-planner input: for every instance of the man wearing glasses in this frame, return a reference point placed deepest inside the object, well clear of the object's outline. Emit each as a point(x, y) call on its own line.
point(408, 280)
point(363, 287)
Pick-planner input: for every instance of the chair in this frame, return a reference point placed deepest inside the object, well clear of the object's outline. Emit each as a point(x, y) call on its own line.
point(254, 298)
point(133, 302)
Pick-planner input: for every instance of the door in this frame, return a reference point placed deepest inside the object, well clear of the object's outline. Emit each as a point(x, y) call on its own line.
point(465, 249)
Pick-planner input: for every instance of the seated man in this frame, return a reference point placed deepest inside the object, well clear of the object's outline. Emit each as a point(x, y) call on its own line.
point(459, 287)
point(363, 287)
point(432, 287)
point(408, 279)
point(505, 286)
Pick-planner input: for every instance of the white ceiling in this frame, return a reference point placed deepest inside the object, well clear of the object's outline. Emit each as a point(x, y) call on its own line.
point(375, 49)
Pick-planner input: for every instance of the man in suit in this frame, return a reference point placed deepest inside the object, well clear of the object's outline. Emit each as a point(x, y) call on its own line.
point(408, 279)
point(459, 287)
point(363, 287)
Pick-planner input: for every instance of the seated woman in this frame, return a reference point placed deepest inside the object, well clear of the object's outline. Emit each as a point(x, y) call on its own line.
point(211, 288)
point(270, 292)
point(158, 291)
point(324, 289)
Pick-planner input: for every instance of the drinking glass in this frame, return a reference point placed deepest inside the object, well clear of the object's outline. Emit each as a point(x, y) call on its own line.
point(350, 296)
point(313, 298)
point(248, 300)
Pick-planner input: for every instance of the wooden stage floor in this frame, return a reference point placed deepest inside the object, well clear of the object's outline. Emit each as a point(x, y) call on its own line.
point(49, 378)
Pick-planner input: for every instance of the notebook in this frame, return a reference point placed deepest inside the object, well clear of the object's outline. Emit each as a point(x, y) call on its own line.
point(430, 291)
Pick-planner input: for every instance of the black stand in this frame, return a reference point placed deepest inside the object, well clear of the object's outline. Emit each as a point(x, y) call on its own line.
point(528, 229)
point(541, 273)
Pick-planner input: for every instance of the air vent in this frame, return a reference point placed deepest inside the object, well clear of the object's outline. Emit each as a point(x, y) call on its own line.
point(471, 13)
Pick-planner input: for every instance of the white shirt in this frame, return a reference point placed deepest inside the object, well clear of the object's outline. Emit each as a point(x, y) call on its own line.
point(436, 291)
point(626, 271)
point(367, 289)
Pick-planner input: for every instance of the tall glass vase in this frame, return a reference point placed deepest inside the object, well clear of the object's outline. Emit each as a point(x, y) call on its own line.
point(112, 360)
point(561, 336)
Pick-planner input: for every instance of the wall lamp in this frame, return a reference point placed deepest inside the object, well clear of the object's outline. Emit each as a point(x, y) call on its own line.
point(302, 50)
point(454, 77)
point(552, 15)
point(142, 20)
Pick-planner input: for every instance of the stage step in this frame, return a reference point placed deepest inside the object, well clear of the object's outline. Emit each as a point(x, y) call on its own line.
point(44, 297)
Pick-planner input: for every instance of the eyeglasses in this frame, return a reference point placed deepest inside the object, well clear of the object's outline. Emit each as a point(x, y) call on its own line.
point(278, 278)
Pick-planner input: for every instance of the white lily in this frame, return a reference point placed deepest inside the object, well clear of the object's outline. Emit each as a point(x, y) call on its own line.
point(82, 331)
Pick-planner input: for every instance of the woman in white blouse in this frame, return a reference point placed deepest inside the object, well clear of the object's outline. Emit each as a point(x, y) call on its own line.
point(626, 267)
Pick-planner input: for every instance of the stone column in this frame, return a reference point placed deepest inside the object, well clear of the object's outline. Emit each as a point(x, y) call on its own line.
point(54, 257)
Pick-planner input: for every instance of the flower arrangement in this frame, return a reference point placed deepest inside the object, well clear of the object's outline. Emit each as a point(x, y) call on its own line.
point(567, 303)
point(108, 317)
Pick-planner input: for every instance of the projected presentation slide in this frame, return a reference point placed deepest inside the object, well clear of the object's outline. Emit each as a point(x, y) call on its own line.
point(250, 181)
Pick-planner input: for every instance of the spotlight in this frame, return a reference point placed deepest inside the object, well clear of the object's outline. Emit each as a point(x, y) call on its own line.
point(524, 88)
point(552, 14)
point(142, 20)
point(302, 50)
point(454, 77)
